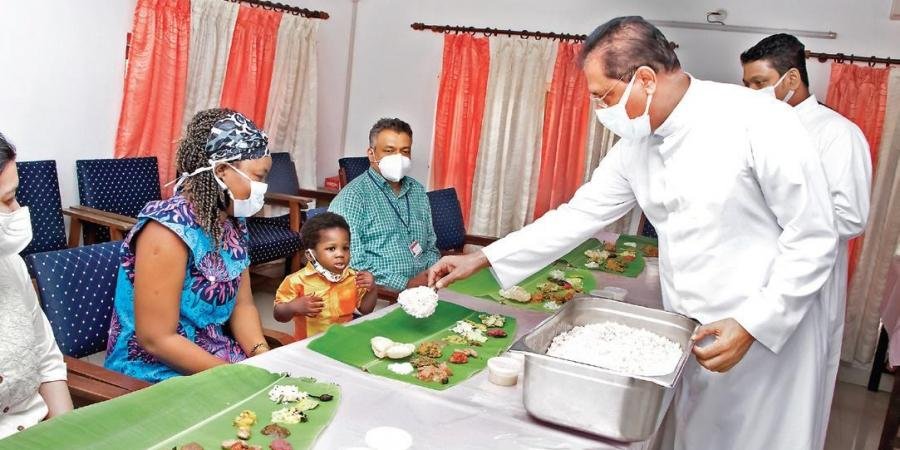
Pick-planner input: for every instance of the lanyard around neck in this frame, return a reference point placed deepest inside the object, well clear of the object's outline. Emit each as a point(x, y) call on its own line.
point(394, 207)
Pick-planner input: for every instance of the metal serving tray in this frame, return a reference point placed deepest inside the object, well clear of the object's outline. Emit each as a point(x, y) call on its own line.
point(593, 399)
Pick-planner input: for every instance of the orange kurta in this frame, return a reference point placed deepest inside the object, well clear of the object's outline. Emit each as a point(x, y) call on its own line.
point(340, 298)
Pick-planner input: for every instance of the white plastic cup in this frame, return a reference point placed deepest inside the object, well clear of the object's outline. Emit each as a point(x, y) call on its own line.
point(504, 371)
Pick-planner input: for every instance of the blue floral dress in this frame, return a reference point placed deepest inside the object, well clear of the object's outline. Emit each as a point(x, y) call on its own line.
point(208, 296)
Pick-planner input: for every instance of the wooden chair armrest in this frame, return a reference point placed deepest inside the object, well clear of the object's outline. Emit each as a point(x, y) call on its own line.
point(86, 391)
point(319, 194)
point(111, 215)
point(276, 338)
point(387, 294)
point(483, 241)
point(294, 202)
point(90, 215)
point(101, 374)
point(277, 197)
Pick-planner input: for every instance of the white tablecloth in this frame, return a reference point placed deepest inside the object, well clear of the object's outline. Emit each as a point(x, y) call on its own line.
point(475, 414)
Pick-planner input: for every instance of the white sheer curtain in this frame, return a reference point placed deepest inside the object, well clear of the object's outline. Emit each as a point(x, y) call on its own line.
point(212, 24)
point(882, 234)
point(292, 110)
point(508, 164)
point(599, 141)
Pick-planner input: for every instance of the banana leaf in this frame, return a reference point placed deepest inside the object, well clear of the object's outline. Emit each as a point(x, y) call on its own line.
point(641, 241)
point(482, 284)
point(632, 270)
point(198, 408)
point(588, 282)
point(350, 344)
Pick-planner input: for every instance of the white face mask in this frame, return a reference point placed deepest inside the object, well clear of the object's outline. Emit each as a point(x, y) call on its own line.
point(329, 275)
point(770, 90)
point(616, 119)
point(394, 167)
point(249, 206)
point(15, 231)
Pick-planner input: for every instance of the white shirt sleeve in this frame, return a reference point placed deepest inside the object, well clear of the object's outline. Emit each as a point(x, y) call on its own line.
point(790, 176)
point(848, 168)
point(52, 367)
point(605, 198)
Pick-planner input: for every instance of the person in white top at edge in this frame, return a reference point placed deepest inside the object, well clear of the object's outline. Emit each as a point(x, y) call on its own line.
point(777, 66)
point(730, 181)
point(32, 372)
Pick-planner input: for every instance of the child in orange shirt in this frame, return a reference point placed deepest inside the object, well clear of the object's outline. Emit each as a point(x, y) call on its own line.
point(327, 290)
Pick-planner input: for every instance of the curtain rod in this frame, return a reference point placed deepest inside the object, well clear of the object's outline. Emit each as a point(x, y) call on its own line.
point(840, 57)
point(742, 29)
point(524, 34)
point(308, 13)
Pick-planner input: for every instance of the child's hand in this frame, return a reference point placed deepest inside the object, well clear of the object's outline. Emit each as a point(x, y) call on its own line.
point(308, 305)
point(365, 280)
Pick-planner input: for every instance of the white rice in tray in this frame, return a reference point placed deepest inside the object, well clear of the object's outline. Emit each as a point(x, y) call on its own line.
point(419, 302)
point(618, 347)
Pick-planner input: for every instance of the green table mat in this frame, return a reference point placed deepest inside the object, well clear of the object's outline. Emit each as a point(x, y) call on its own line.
point(589, 283)
point(482, 284)
point(350, 344)
point(639, 240)
point(198, 408)
point(632, 270)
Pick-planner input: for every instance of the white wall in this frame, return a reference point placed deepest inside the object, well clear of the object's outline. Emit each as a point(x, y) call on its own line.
point(62, 66)
point(62, 69)
point(396, 68)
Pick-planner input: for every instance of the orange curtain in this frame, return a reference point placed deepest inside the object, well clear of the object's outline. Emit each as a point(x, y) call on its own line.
point(250, 62)
point(860, 94)
point(565, 131)
point(460, 107)
point(150, 121)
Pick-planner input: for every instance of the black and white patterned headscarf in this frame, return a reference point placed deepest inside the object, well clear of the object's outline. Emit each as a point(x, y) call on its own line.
point(235, 137)
point(232, 138)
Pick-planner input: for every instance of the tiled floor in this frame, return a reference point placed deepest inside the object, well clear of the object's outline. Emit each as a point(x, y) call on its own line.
point(856, 418)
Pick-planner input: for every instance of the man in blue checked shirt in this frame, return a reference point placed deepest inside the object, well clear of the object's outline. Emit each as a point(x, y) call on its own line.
point(389, 215)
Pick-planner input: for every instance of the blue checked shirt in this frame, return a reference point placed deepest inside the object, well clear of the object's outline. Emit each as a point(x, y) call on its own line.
point(384, 224)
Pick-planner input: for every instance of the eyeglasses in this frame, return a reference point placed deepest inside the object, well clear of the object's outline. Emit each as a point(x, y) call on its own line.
point(599, 101)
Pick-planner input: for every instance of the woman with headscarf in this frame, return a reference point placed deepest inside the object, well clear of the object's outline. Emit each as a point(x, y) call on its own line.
point(32, 372)
point(183, 301)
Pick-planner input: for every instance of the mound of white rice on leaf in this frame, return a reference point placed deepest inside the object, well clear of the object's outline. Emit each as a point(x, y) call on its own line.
point(419, 302)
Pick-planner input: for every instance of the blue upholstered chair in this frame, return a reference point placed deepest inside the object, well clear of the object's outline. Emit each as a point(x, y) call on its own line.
point(447, 219)
point(77, 289)
point(315, 212)
point(352, 167)
point(121, 186)
point(39, 191)
point(645, 228)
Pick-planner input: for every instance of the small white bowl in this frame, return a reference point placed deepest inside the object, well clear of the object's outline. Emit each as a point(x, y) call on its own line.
point(503, 370)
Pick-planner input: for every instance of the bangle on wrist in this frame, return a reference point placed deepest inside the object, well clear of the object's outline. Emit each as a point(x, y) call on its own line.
point(255, 349)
